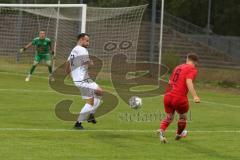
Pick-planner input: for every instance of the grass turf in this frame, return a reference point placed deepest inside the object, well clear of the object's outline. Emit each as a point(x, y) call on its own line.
point(119, 134)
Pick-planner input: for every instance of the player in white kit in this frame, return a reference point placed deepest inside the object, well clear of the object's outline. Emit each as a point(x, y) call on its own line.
point(77, 64)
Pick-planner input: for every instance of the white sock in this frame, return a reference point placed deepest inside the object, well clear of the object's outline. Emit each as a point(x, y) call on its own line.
point(85, 112)
point(95, 105)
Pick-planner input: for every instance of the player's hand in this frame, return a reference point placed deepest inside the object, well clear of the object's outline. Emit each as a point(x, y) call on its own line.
point(196, 99)
point(22, 50)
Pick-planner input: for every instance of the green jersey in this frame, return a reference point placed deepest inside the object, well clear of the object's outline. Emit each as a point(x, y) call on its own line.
point(42, 45)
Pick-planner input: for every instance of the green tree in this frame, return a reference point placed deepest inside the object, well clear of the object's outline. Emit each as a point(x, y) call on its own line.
point(226, 17)
point(194, 11)
point(225, 14)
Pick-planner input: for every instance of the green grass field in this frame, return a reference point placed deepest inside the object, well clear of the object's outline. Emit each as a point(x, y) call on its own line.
point(29, 128)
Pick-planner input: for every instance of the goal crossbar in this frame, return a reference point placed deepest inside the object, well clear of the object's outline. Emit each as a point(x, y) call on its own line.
point(83, 6)
point(44, 5)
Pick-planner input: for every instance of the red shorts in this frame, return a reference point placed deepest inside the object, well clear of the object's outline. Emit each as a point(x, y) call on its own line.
point(174, 103)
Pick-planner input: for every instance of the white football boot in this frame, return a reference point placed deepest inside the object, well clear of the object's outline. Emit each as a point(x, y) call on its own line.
point(28, 78)
point(162, 137)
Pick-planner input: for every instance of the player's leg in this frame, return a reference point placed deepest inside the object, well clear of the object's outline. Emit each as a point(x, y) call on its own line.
point(89, 91)
point(84, 113)
point(98, 92)
point(91, 118)
point(96, 103)
point(87, 112)
point(48, 61)
point(169, 110)
point(182, 121)
point(163, 126)
point(36, 61)
point(166, 121)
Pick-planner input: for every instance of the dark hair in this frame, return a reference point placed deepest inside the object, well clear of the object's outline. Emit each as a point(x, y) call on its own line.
point(193, 57)
point(81, 35)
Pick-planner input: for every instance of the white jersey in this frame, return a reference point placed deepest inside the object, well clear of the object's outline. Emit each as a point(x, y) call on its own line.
point(78, 58)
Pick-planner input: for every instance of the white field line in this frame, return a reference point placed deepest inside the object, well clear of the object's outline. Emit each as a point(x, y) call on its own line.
point(220, 104)
point(112, 130)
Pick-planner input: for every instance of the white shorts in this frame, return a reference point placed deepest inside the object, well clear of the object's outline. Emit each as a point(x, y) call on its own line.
point(87, 88)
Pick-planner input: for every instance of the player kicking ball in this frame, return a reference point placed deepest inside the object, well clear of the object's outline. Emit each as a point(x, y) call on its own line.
point(77, 64)
point(43, 49)
point(175, 98)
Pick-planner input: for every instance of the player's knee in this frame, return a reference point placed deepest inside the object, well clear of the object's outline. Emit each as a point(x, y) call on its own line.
point(182, 117)
point(49, 63)
point(99, 91)
point(35, 63)
point(170, 117)
point(96, 101)
point(90, 101)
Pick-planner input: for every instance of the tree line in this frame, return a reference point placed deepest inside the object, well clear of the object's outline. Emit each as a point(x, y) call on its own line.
point(225, 14)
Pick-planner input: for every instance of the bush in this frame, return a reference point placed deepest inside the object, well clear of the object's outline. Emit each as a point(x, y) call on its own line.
point(228, 84)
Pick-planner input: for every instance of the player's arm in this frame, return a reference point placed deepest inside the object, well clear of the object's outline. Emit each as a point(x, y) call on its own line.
point(192, 90)
point(87, 60)
point(89, 63)
point(26, 47)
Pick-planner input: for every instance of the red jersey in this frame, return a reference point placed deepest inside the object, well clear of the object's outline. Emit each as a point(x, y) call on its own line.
point(178, 79)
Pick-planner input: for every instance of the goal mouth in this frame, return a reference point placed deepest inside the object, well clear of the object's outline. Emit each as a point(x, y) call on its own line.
point(112, 30)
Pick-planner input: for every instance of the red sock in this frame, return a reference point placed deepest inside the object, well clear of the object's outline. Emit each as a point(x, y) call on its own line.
point(165, 122)
point(181, 125)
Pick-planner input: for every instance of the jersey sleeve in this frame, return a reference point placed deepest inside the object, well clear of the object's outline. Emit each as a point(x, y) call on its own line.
point(71, 55)
point(192, 74)
point(49, 42)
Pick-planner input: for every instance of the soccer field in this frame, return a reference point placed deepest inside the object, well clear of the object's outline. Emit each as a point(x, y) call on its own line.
point(29, 128)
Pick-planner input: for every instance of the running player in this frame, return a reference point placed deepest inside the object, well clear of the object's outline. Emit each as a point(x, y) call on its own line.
point(43, 49)
point(175, 98)
point(77, 64)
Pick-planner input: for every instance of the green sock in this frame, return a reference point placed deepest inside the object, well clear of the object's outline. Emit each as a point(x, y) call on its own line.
point(32, 69)
point(50, 69)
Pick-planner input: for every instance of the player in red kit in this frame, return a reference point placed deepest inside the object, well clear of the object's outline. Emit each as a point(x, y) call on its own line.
point(175, 98)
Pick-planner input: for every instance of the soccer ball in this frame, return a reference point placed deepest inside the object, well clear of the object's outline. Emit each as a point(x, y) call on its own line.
point(135, 102)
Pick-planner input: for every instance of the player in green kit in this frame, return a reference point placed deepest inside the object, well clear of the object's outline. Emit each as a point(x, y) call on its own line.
point(44, 52)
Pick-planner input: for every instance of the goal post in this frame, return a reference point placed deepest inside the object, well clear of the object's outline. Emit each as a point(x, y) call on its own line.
point(161, 37)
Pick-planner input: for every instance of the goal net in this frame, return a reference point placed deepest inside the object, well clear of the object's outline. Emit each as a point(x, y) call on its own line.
point(112, 31)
